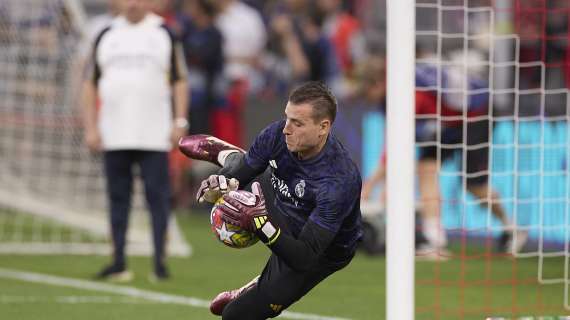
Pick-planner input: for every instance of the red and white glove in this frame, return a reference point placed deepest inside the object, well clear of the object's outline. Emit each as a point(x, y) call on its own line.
point(250, 213)
point(215, 186)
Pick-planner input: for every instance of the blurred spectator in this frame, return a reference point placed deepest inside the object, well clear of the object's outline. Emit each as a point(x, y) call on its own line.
point(47, 39)
point(179, 24)
point(244, 40)
point(435, 147)
point(344, 31)
point(4, 24)
point(372, 88)
point(202, 43)
point(291, 47)
point(323, 61)
point(256, 4)
point(298, 39)
point(543, 30)
point(140, 78)
point(372, 16)
point(204, 55)
point(99, 22)
point(94, 27)
point(171, 13)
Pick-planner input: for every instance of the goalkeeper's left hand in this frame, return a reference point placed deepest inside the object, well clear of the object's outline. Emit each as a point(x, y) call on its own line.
point(251, 213)
point(215, 186)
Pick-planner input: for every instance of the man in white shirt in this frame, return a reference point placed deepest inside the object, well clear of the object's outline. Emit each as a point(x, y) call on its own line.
point(138, 74)
point(244, 36)
point(244, 41)
point(99, 22)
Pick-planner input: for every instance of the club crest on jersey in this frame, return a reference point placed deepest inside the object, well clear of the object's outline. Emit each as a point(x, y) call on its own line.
point(282, 187)
point(300, 189)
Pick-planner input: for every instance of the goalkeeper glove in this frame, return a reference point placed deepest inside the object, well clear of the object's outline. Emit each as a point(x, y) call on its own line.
point(212, 188)
point(250, 213)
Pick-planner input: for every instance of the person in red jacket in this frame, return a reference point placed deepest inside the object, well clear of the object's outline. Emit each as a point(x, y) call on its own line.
point(452, 116)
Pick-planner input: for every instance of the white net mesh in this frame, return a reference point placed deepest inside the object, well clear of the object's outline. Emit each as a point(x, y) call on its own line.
point(528, 109)
point(52, 196)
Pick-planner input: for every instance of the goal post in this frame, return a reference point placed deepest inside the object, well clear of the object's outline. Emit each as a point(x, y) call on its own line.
point(52, 190)
point(400, 160)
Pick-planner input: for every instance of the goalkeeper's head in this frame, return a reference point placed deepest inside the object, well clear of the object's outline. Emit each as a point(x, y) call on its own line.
point(310, 113)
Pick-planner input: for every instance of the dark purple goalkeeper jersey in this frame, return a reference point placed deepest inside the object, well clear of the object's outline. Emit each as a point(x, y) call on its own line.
point(324, 189)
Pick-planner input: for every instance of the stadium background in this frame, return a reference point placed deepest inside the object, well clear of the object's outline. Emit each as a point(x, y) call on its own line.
point(361, 126)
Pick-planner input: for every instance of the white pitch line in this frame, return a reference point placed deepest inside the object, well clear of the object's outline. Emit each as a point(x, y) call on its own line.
point(9, 299)
point(133, 292)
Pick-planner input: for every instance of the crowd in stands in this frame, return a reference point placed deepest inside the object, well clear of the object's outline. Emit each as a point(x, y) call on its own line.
point(238, 49)
point(235, 49)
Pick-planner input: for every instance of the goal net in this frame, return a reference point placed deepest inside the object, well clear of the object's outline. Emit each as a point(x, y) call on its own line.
point(503, 64)
point(52, 192)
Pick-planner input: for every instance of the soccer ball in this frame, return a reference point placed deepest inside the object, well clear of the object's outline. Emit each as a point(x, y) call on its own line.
point(229, 234)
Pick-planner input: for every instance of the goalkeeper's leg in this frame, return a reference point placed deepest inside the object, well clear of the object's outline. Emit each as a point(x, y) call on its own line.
point(277, 288)
point(207, 148)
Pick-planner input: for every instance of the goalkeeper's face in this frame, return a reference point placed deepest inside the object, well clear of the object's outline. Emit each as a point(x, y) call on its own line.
point(304, 134)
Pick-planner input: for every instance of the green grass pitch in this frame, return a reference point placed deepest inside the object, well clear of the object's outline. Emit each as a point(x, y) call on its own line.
point(455, 289)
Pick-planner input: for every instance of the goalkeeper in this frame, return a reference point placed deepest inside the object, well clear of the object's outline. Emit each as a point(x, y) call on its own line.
point(312, 221)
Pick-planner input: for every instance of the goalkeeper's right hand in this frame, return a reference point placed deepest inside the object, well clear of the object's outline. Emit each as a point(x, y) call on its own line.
point(215, 186)
point(247, 210)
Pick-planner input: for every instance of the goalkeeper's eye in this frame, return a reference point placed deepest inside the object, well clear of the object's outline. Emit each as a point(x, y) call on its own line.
point(294, 122)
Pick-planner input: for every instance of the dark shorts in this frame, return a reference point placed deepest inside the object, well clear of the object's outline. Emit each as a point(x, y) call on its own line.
point(475, 150)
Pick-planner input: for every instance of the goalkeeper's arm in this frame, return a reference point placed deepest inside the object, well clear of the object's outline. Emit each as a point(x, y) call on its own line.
point(299, 254)
point(236, 167)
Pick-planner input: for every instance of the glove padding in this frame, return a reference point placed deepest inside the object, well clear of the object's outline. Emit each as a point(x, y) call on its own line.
point(215, 186)
point(249, 206)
